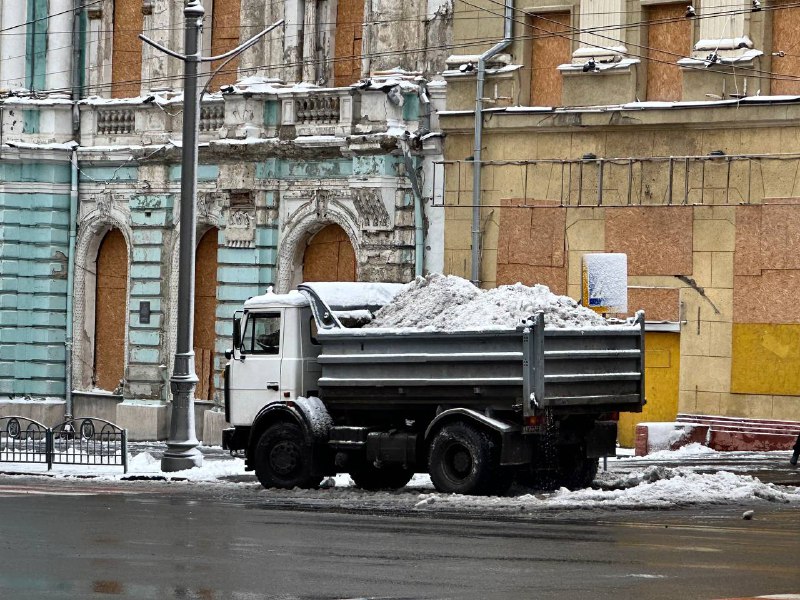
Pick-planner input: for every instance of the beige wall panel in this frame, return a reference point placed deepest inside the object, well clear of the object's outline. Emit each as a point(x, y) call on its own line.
point(720, 337)
point(786, 408)
point(701, 268)
point(694, 343)
point(126, 61)
point(706, 374)
point(747, 258)
point(585, 235)
point(785, 38)
point(713, 236)
point(708, 403)
point(669, 34)
point(687, 402)
point(657, 240)
point(457, 262)
point(547, 52)
point(722, 269)
point(749, 406)
point(770, 298)
point(474, 23)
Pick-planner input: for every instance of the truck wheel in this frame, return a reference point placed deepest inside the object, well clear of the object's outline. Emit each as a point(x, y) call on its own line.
point(282, 458)
point(392, 477)
point(462, 460)
point(575, 470)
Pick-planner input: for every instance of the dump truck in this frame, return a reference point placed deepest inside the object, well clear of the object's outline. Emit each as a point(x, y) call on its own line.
point(310, 394)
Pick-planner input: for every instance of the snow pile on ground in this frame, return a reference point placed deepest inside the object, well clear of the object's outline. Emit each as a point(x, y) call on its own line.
point(449, 303)
point(654, 487)
point(693, 450)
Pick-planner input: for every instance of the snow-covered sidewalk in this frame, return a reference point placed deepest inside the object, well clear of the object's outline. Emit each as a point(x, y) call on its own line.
point(687, 479)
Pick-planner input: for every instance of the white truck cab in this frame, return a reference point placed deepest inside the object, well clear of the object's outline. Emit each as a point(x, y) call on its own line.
point(276, 358)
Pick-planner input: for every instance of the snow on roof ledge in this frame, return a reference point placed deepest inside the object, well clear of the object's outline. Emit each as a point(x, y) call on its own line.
point(736, 43)
point(746, 56)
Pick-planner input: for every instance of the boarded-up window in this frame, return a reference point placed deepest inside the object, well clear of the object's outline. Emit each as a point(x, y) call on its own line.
point(126, 59)
point(329, 256)
point(786, 39)
point(205, 310)
point(548, 50)
point(669, 38)
point(347, 52)
point(225, 37)
point(110, 311)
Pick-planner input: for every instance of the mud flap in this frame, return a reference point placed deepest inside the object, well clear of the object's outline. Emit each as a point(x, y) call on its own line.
point(602, 440)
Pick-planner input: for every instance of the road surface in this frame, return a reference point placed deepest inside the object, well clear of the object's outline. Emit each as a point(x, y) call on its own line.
point(159, 540)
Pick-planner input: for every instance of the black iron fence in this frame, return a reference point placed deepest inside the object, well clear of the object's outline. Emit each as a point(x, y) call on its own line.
point(80, 441)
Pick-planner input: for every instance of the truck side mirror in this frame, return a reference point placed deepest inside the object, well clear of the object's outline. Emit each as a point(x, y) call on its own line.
point(237, 333)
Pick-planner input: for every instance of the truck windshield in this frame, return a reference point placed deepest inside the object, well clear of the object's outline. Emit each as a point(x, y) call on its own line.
point(262, 334)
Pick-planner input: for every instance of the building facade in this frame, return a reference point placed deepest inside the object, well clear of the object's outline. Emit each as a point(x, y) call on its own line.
point(665, 133)
point(317, 152)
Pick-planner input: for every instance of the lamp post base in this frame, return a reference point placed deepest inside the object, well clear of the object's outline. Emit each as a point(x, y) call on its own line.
point(177, 459)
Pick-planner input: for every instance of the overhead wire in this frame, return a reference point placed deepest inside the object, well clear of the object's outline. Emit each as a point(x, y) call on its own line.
point(464, 44)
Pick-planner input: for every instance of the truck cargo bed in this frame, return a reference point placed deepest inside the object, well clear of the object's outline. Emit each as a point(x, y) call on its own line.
point(599, 369)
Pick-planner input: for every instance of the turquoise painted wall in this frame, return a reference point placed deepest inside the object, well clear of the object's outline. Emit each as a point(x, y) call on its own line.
point(151, 215)
point(33, 279)
point(36, 46)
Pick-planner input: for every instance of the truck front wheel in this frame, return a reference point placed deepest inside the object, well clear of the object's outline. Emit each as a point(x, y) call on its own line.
point(283, 459)
point(462, 460)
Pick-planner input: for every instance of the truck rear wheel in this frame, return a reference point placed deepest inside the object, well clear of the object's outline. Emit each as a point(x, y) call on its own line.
point(463, 460)
point(392, 477)
point(283, 459)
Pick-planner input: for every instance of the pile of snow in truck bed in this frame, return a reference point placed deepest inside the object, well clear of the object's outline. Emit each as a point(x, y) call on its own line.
point(449, 303)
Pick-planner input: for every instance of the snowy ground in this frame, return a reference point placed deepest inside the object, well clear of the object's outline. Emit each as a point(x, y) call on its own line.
point(691, 476)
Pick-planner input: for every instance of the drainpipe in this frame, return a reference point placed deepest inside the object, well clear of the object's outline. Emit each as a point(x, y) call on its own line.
point(73, 226)
point(74, 198)
point(419, 235)
point(476, 157)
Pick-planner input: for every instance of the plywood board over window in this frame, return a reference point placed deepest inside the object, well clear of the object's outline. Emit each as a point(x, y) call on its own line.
point(347, 50)
point(205, 310)
point(669, 37)
point(126, 58)
point(110, 311)
point(551, 47)
point(786, 39)
point(329, 256)
point(225, 37)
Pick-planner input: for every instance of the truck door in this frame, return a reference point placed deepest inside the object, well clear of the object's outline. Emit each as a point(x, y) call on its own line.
point(256, 367)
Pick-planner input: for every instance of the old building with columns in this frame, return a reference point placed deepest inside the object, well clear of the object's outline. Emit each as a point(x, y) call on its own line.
point(317, 152)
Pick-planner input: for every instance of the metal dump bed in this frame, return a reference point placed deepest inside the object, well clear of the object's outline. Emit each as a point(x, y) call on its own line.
point(596, 369)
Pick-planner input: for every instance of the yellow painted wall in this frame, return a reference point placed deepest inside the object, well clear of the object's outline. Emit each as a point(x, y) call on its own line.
point(662, 370)
point(766, 359)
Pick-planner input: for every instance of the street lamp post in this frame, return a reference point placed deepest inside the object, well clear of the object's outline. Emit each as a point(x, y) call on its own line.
point(182, 452)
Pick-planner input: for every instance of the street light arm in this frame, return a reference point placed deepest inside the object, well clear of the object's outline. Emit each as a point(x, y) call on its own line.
point(162, 48)
point(241, 48)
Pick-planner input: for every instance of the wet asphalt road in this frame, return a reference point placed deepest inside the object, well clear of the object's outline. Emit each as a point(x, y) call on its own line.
point(154, 540)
